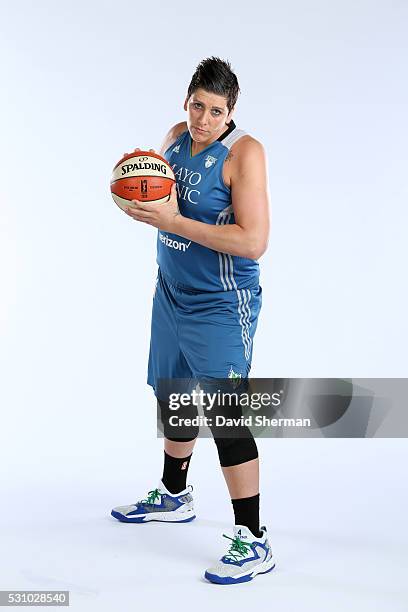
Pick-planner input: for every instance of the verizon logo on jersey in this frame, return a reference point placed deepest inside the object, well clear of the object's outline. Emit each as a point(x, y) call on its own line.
point(178, 245)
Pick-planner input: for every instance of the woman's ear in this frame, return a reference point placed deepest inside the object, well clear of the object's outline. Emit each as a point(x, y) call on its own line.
point(228, 119)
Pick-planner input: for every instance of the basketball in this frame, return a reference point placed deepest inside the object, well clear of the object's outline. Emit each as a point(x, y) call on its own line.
point(141, 175)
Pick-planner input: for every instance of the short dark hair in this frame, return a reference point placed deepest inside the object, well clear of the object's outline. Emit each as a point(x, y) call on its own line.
point(215, 76)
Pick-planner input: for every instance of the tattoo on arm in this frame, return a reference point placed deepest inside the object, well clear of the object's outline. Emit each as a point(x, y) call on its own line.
point(229, 156)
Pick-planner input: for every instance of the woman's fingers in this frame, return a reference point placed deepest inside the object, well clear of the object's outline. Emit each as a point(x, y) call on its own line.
point(138, 149)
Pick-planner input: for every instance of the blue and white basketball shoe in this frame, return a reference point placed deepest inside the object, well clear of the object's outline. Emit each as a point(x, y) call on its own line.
point(247, 556)
point(159, 505)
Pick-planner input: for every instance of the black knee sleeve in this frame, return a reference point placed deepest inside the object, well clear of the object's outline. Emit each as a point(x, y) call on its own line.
point(175, 433)
point(235, 443)
point(234, 451)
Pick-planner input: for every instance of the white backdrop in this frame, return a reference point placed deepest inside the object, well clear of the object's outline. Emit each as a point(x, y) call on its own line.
point(323, 88)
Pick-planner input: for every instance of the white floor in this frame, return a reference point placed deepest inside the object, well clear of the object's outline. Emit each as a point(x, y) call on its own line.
point(335, 509)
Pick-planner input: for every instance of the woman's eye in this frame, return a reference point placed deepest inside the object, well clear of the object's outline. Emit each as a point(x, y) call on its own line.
point(215, 112)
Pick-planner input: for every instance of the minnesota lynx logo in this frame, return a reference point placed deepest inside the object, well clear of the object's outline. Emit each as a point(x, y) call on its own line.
point(209, 161)
point(234, 375)
point(235, 378)
point(176, 149)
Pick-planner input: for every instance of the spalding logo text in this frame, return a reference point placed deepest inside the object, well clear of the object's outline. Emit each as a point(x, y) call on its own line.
point(126, 168)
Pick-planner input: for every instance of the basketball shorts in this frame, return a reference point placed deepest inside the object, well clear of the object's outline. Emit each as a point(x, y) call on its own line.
point(196, 335)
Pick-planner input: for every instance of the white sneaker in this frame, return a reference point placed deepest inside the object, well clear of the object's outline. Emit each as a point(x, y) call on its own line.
point(247, 556)
point(160, 505)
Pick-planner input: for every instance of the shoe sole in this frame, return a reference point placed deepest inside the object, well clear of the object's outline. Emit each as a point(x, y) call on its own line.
point(229, 580)
point(145, 519)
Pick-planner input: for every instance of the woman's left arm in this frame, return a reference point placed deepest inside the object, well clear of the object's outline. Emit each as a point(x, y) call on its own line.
point(248, 236)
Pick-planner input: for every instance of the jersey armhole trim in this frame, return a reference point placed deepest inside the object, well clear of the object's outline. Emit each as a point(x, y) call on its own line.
point(230, 141)
point(175, 140)
point(222, 176)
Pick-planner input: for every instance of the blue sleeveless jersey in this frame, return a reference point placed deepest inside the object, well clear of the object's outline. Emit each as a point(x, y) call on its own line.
point(203, 196)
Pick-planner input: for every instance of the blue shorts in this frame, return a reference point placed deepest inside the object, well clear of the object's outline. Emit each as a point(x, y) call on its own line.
point(201, 335)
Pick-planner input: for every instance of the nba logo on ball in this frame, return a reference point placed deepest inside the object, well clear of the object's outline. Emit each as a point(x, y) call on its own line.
point(141, 175)
point(209, 161)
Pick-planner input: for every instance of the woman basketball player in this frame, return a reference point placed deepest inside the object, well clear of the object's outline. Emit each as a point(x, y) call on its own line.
point(211, 233)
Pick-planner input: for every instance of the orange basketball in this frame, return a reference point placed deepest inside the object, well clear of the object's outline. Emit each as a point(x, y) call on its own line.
point(141, 175)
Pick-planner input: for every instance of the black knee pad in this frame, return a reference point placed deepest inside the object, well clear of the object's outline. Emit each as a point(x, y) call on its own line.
point(235, 443)
point(234, 451)
point(174, 433)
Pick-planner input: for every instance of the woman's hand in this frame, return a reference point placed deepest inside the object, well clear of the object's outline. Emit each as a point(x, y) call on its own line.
point(164, 216)
point(134, 151)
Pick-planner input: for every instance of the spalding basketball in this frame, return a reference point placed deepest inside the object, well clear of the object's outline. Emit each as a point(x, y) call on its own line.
point(141, 175)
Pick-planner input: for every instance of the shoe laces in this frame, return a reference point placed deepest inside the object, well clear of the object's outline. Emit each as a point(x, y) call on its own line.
point(151, 497)
point(238, 549)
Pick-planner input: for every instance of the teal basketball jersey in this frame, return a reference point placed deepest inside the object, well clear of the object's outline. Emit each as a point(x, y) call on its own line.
point(203, 196)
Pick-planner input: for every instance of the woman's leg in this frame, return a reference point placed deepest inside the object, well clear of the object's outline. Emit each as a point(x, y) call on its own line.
point(240, 465)
point(177, 457)
point(178, 449)
point(243, 479)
